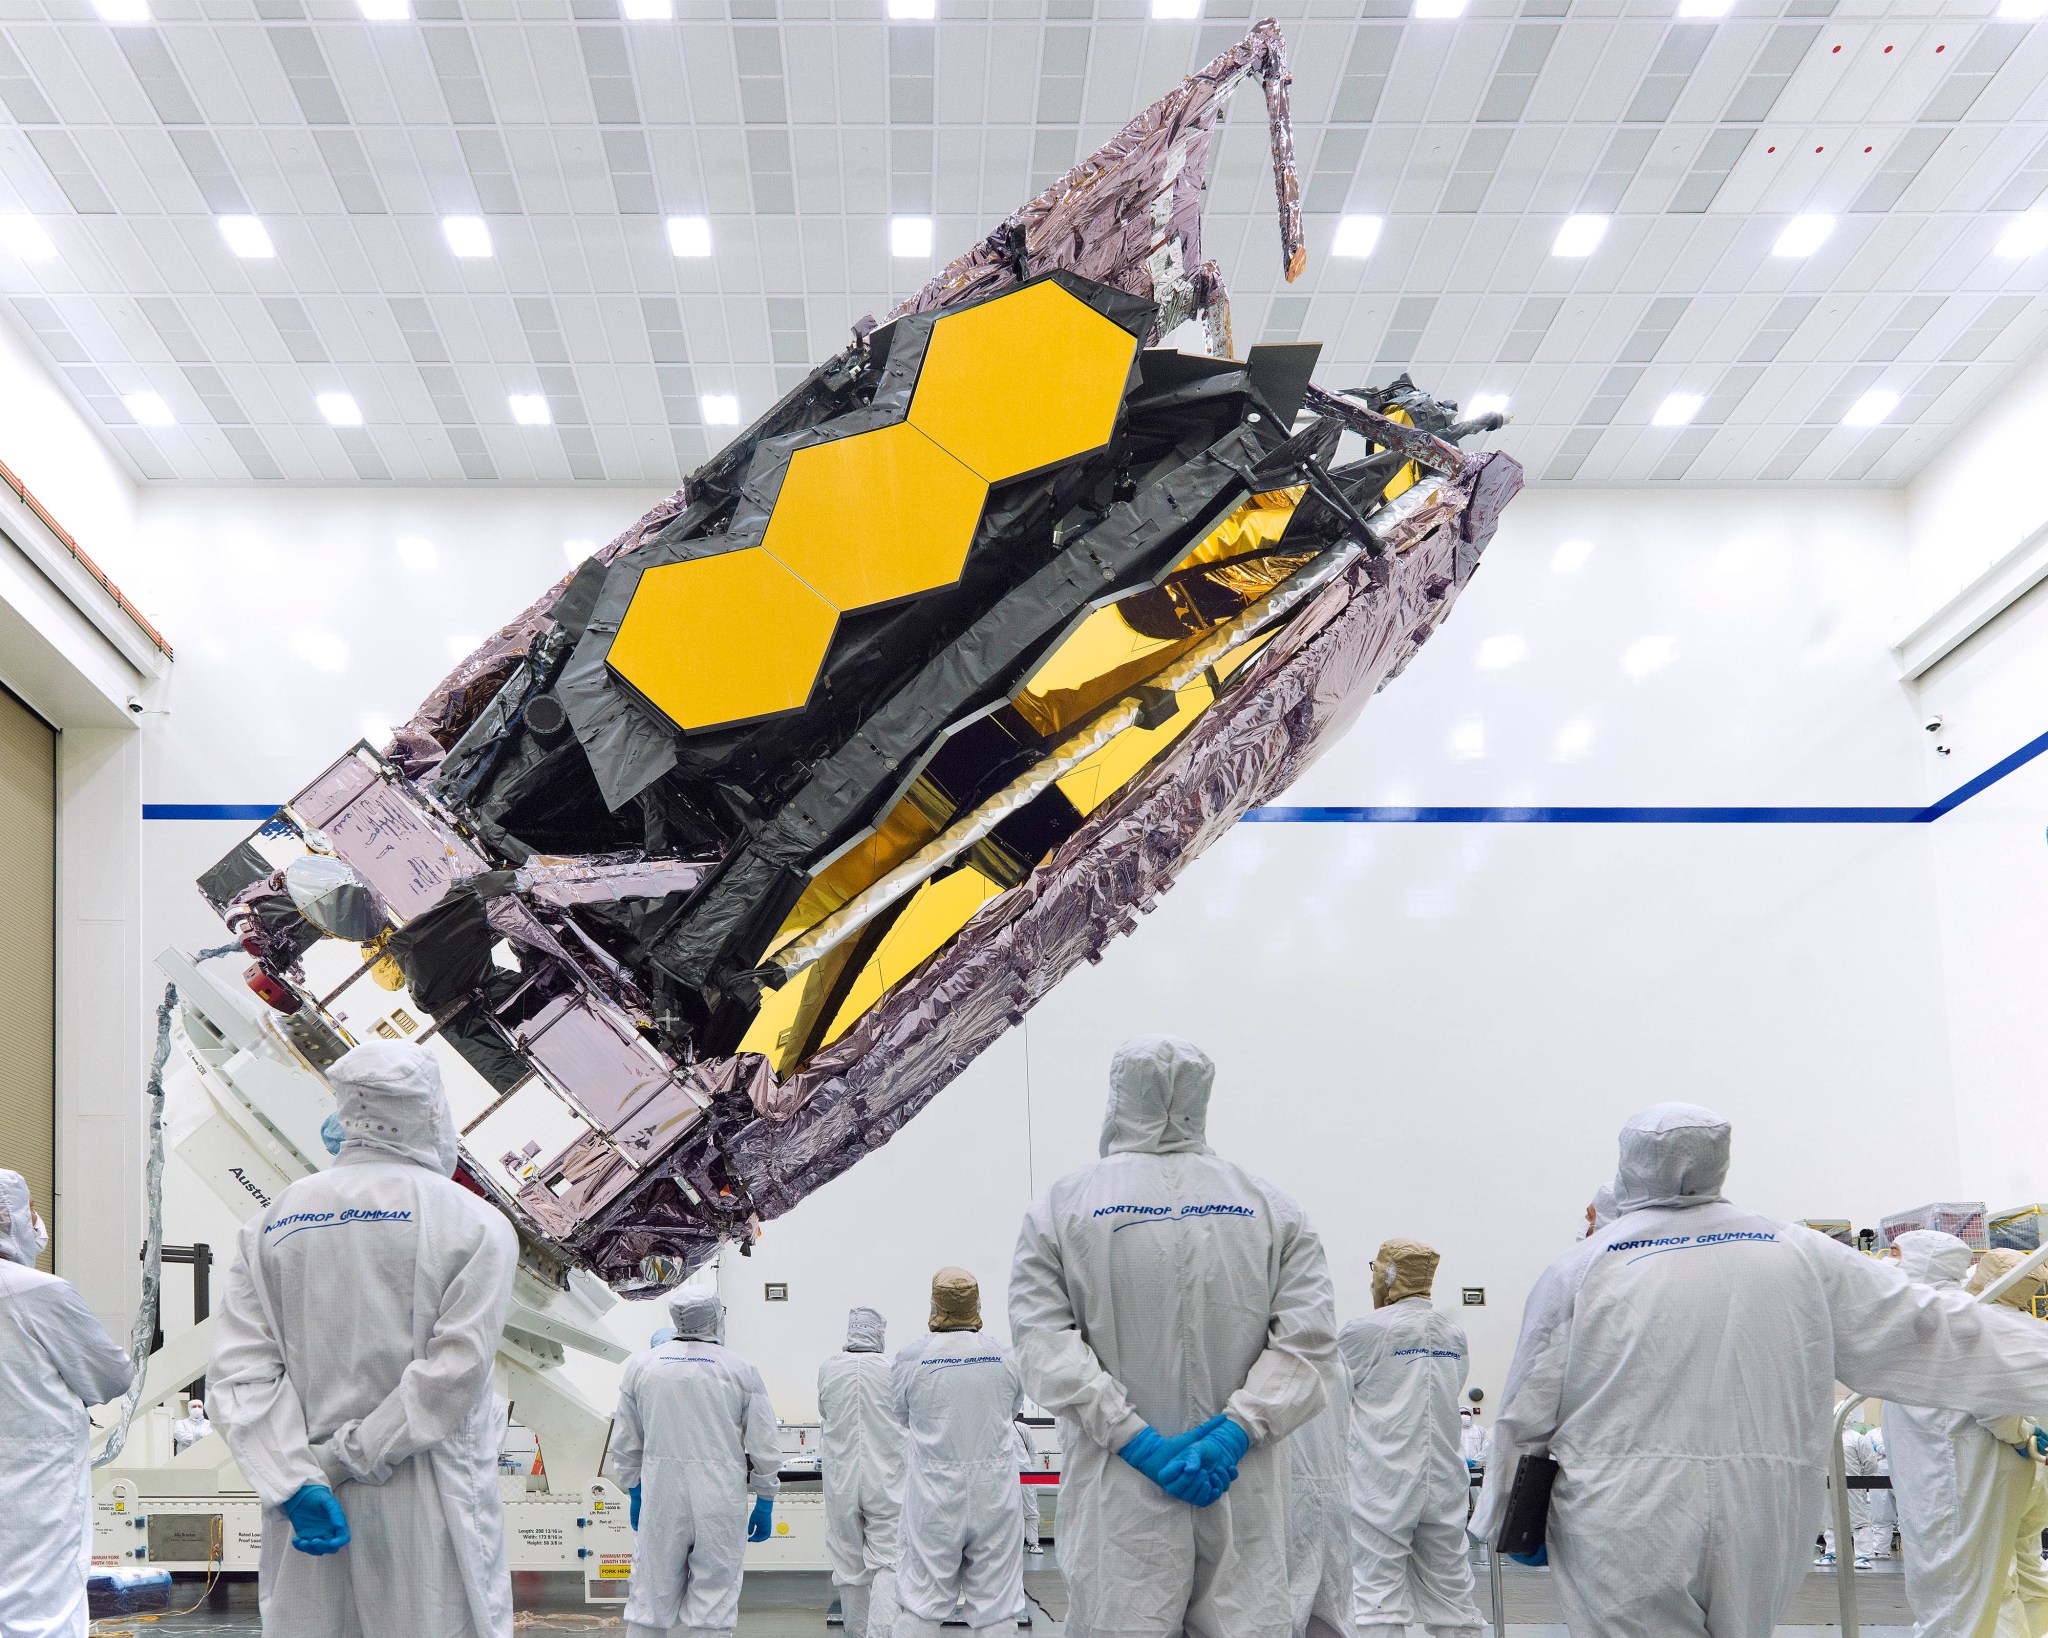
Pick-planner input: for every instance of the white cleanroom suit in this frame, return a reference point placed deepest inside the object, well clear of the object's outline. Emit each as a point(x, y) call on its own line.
point(1859, 1458)
point(55, 1359)
point(1680, 1367)
point(694, 1432)
point(190, 1428)
point(354, 1350)
point(1319, 1548)
point(957, 1393)
point(1156, 1288)
point(1409, 1482)
point(860, 1454)
point(1960, 1486)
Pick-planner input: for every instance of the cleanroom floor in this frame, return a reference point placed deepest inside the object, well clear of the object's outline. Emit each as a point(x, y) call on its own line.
point(793, 1606)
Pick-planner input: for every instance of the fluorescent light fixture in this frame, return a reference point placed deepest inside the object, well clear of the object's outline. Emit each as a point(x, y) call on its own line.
point(340, 408)
point(577, 550)
point(417, 553)
point(1357, 236)
point(719, 409)
point(1579, 236)
point(150, 409)
point(1176, 11)
point(913, 11)
point(689, 236)
point(27, 238)
point(321, 650)
point(1803, 235)
point(247, 237)
point(2023, 11)
point(1648, 654)
point(1677, 409)
point(647, 11)
point(467, 236)
point(385, 11)
point(1570, 556)
point(1574, 740)
point(1468, 740)
point(122, 11)
point(1705, 8)
point(1873, 407)
point(910, 236)
point(462, 644)
point(1440, 8)
point(529, 409)
point(1498, 653)
point(2024, 236)
point(1487, 403)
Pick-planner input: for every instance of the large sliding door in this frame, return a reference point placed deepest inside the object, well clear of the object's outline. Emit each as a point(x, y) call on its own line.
point(28, 953)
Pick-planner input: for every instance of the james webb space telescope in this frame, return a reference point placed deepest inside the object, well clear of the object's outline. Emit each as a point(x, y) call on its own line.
point(710, 871)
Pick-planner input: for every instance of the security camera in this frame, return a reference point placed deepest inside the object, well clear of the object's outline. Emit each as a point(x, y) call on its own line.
point(135, 706)
point(1932, 725)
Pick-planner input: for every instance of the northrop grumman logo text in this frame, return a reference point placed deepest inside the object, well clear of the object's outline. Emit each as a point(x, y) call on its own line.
point(299, 1221)
point(1660, 1244)
point(1170, 1214)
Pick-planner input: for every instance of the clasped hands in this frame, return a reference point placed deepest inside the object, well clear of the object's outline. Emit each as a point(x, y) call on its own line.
point(1195, 1467)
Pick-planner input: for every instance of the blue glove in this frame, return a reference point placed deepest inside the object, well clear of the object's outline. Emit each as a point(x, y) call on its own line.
point(318, 1523)
point(761, 1522)
point(634, 1513)
point(1208, 1467)
point(1150, 1450)
point(331, 1134)
point(1536, 1560)
point(2040, 1442)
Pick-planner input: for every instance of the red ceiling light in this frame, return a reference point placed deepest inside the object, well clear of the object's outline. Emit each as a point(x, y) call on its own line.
point(1773, 148)
point(1821, 149)
point(1838, 51)
point(1887, 51)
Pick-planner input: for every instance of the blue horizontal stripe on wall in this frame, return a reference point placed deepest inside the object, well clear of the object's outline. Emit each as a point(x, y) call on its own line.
point(1657, 816)
point(208, 810)
point(1456, 816)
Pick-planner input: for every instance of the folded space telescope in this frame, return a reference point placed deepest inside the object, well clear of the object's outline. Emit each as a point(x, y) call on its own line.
point(708, 873)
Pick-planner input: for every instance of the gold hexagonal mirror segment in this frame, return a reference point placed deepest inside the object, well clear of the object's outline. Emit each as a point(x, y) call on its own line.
point(875, 517)
point(1022, 381)
point(720, 640)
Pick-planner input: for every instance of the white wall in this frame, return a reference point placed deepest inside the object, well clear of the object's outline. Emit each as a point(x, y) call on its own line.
point(1992, 694)
point(1421, 1029)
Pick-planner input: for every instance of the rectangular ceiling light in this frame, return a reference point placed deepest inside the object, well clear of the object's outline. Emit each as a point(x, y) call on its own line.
point(1871, 408)
point(913, 11)
point(247, 237)
point(910, 236)
point(1488, 403)
point(2025, 236)
point(150, 409)
point(1677, 409)
point(1176, 11)
point(467, 236)
point(122, 11)
point(647, 11)
point(340, 408)
point(1803, 235)
point(529, 409)
point(719, 409)
point(1357, 236)
point(1579, 236)
point(385, 11)
point(689, 236)
point(1705, 8)
point(27, 238)
point(1440, 8)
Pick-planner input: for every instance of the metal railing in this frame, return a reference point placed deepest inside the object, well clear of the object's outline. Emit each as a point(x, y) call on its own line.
point(1838, 1476)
